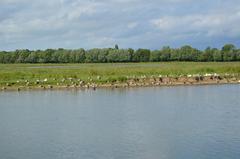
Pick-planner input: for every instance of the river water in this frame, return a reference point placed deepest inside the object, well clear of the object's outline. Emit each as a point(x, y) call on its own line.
point(184, 122)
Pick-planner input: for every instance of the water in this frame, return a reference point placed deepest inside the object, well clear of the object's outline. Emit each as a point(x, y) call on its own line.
point(191, 122)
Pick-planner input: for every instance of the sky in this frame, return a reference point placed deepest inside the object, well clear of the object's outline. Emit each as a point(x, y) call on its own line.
point(152, 24)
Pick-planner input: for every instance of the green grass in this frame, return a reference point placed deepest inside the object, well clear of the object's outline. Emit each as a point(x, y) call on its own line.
point(110, 72)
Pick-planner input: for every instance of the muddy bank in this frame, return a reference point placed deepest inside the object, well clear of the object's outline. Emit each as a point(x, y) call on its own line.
point(134, 82)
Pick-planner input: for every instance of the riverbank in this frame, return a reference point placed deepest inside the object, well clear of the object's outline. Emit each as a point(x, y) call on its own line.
point(114, 75)
point(142, 82)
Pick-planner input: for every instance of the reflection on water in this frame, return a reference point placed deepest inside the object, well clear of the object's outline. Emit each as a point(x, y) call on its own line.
point(200, 122)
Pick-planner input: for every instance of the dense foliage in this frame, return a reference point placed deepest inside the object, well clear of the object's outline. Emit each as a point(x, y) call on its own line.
point(186, 53)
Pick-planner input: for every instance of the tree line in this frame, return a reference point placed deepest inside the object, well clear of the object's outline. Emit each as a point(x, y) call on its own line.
point(229, 52)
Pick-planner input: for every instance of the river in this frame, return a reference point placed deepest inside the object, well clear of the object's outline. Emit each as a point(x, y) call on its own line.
point(183, 122)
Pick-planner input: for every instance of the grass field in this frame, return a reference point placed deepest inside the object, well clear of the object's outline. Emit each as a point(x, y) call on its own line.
point(19, 74)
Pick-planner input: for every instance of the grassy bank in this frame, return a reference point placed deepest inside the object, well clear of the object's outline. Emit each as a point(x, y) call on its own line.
point(68, 74)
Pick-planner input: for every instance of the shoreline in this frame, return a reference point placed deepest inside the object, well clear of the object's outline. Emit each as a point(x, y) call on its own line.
point(131, 83)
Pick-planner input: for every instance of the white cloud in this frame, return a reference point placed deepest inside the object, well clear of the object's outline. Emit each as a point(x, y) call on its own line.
point(92, 23)
point(217, 24)
point(132, 25)
point(78, 9)
point(10, 1)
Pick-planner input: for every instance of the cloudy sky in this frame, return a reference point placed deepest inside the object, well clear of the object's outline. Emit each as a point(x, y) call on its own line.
point(40, 24)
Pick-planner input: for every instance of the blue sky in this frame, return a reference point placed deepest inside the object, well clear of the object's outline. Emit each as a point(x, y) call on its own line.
point(39, 24)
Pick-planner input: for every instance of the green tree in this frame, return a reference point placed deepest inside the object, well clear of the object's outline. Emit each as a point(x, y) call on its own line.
point(116, 47)
point(131, 52)
point(96, 55)
point(155, 55)
point(22, 56)
point(207, 55)
point(2, 56)
point(102, 55)
point(187, 53)
point(79, 55)
point(64, 56)
point(141, 55)
point(119, 56)
point(229, 52)
point(32, 57)
point(217, 55)
point(165, 54)
point(45, 56)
